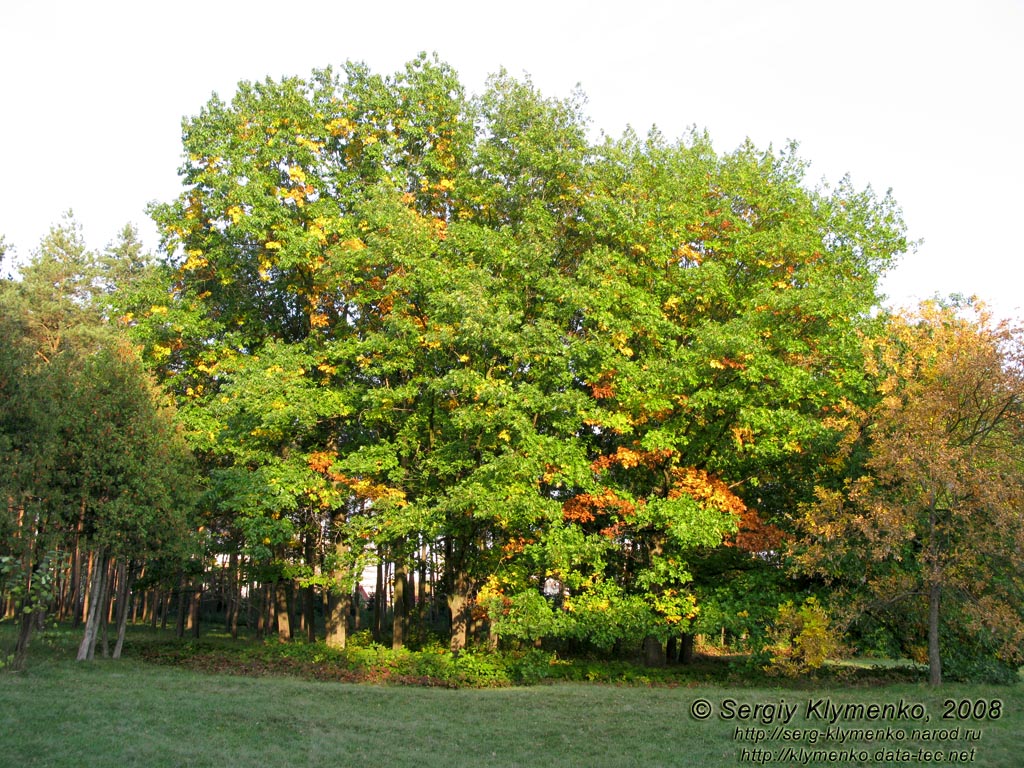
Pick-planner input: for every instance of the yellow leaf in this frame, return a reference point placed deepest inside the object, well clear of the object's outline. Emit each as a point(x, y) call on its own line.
point(272, 245)
point(341, 126)
point(354, 244)
point(195, 260)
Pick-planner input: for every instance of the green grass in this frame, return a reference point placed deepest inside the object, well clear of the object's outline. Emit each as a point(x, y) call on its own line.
point(131, 713)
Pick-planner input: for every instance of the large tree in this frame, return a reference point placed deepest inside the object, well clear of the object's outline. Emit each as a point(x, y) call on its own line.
point(431, 319)
point(931, 520)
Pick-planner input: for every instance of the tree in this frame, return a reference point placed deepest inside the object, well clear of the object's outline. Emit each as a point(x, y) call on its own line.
point(932, 520)
point(357, 337)
point(128, 474)
point(720, 301)
point(91, 466)
point(429, 320)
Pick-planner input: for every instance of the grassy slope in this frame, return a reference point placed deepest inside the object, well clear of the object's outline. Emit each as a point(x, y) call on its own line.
point(129, 713)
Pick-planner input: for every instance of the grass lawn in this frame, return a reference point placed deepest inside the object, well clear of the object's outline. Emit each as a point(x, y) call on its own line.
point(130, 713)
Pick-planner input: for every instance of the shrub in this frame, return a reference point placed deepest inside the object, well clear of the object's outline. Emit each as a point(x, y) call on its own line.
point(802, 639)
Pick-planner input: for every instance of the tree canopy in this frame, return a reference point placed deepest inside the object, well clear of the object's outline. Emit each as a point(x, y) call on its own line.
point(92, 465)
point(597, 394)
point(929, 519)
point(434, 320)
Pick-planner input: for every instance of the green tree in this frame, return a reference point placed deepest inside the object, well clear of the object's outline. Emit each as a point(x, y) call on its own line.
point(360, 336)
point(433, 319)
point(720, 301)
point(89, 458)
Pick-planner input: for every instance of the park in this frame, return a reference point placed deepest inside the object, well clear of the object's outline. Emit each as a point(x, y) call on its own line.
point(437, 422)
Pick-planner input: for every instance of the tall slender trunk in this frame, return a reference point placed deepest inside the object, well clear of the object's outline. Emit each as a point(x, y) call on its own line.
point(165, 609)
point(934, 652)
point(106, 604)
point(235, 596)
point(398, 603)
point(309, 592)
point(87, 648)
point(123, 596)
point(27, 619)
point(179, 629)
point(90, 566)
point(421, 585)
point(76, 603)
point(259, 605)
point(195, 604)
point(378, 603)
point(26, 625)
point(934, 597)
point(139, 606)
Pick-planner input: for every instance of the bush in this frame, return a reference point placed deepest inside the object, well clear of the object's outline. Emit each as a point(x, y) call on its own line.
point(802, 639)
point(973, 658)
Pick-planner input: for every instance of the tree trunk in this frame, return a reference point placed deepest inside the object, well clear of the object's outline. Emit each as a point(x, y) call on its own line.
point(934, 598)
point(25, 629)
point(139, 605)
point(233, 597)
point(87, 648)
point(284, 625)
point(339, 596)
point(123, 596)
point(309, 592)
point(79, 617)
point(165, 608)
point(195, 604)
point(259, 604)
point(236, 598)
point(107, 603)
point(398, 604)
point(654, 654)
point(77, 599)
point(459, 603)
point(686, 643)
point(179, 629)
point(378, 603)
point(934, 653)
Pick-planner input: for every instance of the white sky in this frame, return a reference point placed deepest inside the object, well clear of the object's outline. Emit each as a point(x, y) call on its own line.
point(923, 96)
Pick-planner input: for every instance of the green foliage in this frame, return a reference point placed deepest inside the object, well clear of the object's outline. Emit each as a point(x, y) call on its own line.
point(31, 591)
point(362, 661)
point(401, 321)
point(740, 596)
point(977, 656)
point(90, 456)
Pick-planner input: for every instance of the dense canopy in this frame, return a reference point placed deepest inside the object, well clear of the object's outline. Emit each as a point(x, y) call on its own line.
point(554, 389)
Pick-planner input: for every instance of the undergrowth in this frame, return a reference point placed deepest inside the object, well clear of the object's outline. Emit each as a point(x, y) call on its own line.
point(437, 666)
